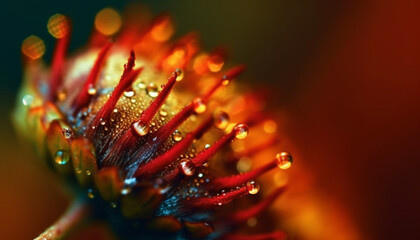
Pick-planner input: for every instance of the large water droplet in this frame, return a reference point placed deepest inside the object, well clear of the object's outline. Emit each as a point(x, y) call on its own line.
point(284, 160)
point(221, 120)
point(141, 128)
point(163, 113)
point(199, 105)
point(187, 167)
point(253, 187)
point(62, 157)
point(177, 136)
point(241, 131)
point(152, 90)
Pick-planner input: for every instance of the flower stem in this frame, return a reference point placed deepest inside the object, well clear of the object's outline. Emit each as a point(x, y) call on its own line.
point(73, 218)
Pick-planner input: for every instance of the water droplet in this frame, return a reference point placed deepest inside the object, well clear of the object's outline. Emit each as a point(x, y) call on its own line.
point(253, 187)
point(215, 63)
point(241, 131)
point(126, 190)
point(141, 128)
point(207, 146)
point(221, 120)
point(177, 136)
point(180, 74)
point(88, 173)
point(219, 203)
point(187, 167)
point(163, 113)
point(199, 106)
point(200, 175)
point(152, 90)
point(27, 100)
point(113, 205)
point(129, 93)
point(102, 121)
point(62, 157)
point(90, 193)
point(284, 160)
point(91, 89)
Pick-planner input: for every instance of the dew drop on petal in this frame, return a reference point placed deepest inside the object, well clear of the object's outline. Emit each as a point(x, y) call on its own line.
point(129, 94)
point(91, 89)
point(284, 160)
point(90, 193)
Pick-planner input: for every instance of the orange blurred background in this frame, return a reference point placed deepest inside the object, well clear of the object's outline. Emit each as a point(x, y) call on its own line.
point(347, 80)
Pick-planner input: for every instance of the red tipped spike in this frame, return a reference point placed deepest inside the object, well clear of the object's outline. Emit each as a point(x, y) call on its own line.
point(237, 180)
point(215, 201)
point(58, 59)
point(84, 97)
point(224, 80)
point(125, 82)
point(203, 156)
point(157, 164)
point(276, 235)
point(243, 215)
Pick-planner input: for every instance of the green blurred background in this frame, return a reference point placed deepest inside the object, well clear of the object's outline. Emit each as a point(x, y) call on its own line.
point(345, 73)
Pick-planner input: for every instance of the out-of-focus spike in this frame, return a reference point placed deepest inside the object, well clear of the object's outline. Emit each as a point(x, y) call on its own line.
point(252, 150)
point(224, 80)
point(84, 96)
point(59, 27)
point(276, 235)
point(243, 215)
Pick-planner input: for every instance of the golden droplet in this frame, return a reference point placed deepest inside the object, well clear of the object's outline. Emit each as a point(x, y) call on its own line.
point(241, 131)
point(108, 21)
point(199, 105)
point(152, 90)
point(180, 74)
point(33, 47)
point(58, 25)
point(221, 120)
point(177, 136)
point(284, 160)
point(187, 167)
point(253, 187)
point(141, 128)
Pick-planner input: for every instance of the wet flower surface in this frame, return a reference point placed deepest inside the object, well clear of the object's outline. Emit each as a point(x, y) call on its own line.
point(144, 129)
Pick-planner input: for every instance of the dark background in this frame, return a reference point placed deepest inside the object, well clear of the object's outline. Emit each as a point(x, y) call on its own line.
point(346, 73)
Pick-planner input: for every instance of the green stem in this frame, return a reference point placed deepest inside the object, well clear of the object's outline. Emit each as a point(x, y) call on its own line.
point(73, 218)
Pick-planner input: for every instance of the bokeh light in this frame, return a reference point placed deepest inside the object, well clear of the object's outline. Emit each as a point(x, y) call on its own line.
point(33, 47)
point(58, 25)
point(108, 21)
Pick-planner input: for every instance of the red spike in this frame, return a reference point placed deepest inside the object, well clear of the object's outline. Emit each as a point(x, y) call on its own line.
point(215, 201)
point(253, 150)
point(243, 215)
point(83, 97)
point(57, 65)
point(150, 112)
point(276, 235)
point(157, 164)
point(125, 82)
point(237, 180)
point(224, 80)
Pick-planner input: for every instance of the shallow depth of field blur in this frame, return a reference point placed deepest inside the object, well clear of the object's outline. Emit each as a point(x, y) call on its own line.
point(344, 80)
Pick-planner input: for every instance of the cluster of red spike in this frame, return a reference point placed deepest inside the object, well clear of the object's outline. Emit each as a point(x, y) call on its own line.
point(236, 184)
